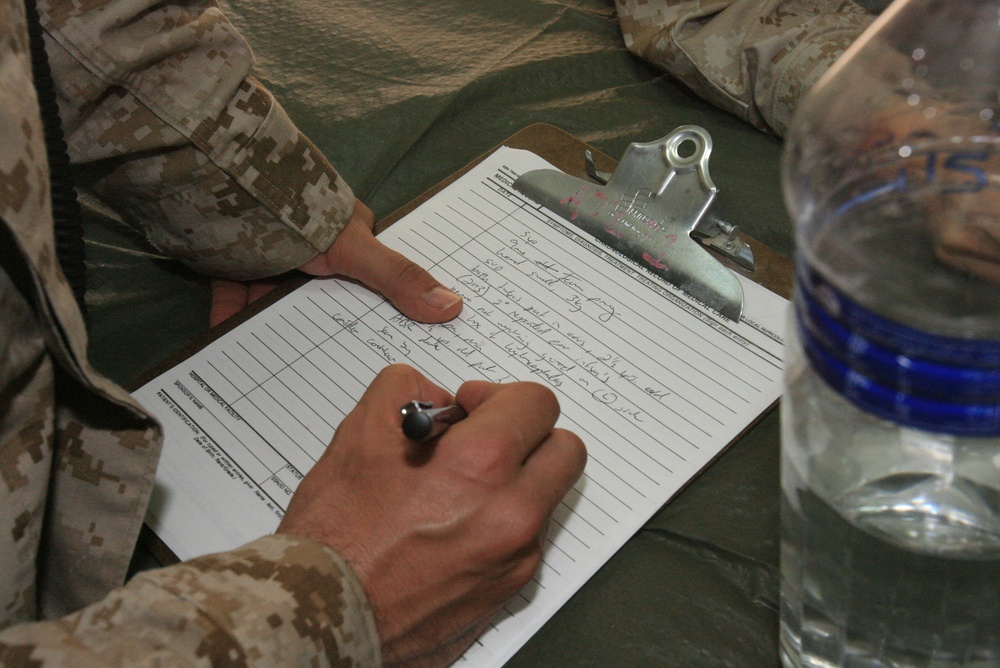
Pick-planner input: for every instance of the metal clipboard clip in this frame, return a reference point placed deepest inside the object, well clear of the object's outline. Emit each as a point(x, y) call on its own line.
point(652, 209)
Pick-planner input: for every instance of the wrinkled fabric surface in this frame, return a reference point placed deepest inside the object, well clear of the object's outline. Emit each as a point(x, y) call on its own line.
point(398, 95)
point(753, 58)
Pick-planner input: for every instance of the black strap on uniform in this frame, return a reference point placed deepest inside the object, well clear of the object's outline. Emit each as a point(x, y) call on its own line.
point(65, 208)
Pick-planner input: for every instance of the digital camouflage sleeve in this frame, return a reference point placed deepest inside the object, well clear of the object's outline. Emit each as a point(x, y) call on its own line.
point(753, 58)
point(163, 119)
point(279, 601)
point(165, 123)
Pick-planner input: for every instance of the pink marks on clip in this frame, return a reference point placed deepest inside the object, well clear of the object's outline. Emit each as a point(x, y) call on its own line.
point(656, 262)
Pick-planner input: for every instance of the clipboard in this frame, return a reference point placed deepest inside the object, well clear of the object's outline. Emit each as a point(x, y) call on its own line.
point(435, 236)
point(773, 270)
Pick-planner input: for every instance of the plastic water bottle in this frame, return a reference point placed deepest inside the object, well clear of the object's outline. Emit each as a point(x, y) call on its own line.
point(890, 552)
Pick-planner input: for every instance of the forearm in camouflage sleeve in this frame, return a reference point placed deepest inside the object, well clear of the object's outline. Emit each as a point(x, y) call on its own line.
point(753, 58)
point(248, 197)
point(167, 127)
point(278, 601)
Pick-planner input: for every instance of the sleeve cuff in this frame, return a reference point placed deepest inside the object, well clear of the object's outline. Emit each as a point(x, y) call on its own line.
point(284, 599)
point(247, 197)
point(256, 143)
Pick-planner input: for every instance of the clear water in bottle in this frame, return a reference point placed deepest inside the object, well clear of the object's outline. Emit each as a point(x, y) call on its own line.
point(902, 568)
point(891, 416)
point(890, 533)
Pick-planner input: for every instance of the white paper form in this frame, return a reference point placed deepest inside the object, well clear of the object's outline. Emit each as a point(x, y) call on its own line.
point(655, 385)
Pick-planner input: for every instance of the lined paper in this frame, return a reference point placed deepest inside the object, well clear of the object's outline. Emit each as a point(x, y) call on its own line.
point(654, 384)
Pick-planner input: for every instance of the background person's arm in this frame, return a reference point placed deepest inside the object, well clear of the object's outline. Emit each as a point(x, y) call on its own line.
point(753, 58)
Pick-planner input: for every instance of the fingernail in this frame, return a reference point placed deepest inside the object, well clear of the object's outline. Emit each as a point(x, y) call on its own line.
point(441, 298)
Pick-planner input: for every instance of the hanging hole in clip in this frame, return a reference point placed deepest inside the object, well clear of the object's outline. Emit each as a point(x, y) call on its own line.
point(685, 150)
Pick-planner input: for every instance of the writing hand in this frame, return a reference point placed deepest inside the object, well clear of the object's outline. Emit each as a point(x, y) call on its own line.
point(441, 542)
point(355, 253)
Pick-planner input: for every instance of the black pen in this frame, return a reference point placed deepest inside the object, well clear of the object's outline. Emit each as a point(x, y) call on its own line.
point(422, 422)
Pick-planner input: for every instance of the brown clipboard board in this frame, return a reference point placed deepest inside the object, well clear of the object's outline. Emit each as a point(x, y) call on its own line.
point(773, 270)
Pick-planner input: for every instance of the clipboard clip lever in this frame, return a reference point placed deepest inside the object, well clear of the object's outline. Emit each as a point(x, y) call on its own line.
point(654, 209)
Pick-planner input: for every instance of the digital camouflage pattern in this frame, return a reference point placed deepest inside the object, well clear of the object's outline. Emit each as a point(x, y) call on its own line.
point(203, 139)
point(279, 601)
point(753, 58)
point(164, 120)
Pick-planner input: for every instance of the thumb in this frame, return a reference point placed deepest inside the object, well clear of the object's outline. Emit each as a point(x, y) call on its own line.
point(358, 254)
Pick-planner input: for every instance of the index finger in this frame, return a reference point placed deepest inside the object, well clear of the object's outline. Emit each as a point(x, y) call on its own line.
point(514, 416)
point(378, 411)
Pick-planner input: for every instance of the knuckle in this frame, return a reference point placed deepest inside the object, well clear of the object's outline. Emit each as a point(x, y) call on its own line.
point(525, 569)
point(407, 271)
point(541, 395)
point(397, 369)
point(542, 399)
point(574, 445)
point(485, 463)
point(514, 530)
point(522, 525)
